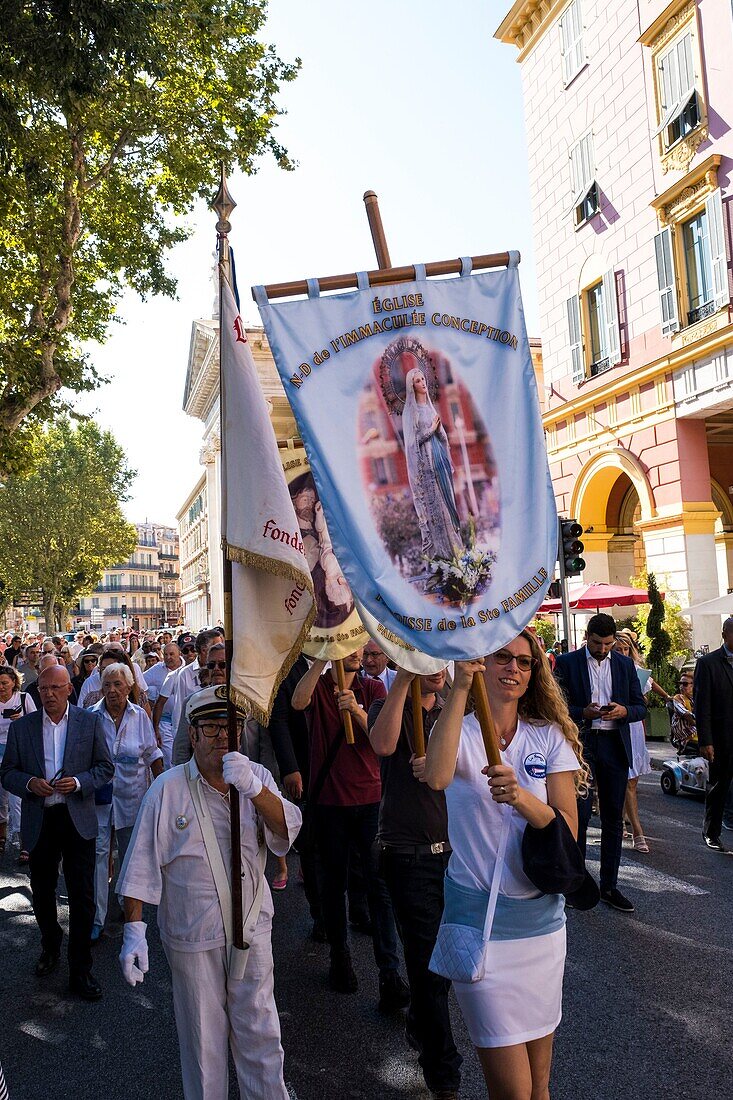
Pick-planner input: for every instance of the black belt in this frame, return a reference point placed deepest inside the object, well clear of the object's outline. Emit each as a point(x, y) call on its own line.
point(438, 849)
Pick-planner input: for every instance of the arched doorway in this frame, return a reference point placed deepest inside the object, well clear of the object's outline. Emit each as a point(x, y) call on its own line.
point(611, 497)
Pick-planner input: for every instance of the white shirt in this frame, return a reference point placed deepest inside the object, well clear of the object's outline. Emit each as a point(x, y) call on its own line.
point(601, 691)
point(26, 706)
point(387, 677)
point(54, 747)
point(91, 689)
point(177, 687)
point(75, 649)
point(475, 820)
point(155, 677)
point(133, 749)
point(167, 865)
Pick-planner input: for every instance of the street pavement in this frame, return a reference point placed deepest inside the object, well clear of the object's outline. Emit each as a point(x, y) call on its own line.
point(647, 1005)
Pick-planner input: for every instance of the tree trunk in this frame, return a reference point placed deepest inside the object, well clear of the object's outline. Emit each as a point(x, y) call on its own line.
point(49, 613)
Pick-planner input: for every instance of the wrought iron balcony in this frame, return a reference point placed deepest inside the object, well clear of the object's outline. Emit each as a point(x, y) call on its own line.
point(706, 310)
point(600, 366)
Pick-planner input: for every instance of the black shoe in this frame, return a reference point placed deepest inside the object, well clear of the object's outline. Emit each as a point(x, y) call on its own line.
point(714, 843)
point(411, 1039)
point(47, 963)
point(616, 899)
point(393, 993)
point(85, 986)
point(445, 1094)
point(318, 932)
point(341, 976)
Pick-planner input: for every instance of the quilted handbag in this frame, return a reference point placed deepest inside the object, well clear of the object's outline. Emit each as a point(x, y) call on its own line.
point(460, 948)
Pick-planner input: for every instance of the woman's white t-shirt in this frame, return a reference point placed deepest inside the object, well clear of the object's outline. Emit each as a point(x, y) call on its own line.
point(13, 703)
point(475, 820)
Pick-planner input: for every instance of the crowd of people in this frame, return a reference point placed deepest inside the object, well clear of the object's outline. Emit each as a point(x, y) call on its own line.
point(460, 870)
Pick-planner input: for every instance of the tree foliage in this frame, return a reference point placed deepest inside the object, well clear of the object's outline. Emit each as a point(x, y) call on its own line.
point(61, 525)
point(114, 116)
point(676, 640)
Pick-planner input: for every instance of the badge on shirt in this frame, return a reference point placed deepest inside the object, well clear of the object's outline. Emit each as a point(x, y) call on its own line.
point(535, 765)
point(181, 822)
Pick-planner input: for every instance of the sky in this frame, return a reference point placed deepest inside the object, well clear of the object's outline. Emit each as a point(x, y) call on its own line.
point(413, 99)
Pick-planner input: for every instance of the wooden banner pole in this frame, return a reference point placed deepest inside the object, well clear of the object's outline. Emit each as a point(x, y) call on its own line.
point(485, 719)
point(224, 204)
point(348, 727)
point(374, 217)
point(383, 276)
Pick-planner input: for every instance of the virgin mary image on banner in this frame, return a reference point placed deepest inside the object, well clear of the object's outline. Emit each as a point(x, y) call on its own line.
point(429, 473)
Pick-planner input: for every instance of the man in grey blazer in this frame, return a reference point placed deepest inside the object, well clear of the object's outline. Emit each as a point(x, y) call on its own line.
point(55, 759)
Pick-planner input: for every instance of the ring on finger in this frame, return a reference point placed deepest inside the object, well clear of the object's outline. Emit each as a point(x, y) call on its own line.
point(502, 790)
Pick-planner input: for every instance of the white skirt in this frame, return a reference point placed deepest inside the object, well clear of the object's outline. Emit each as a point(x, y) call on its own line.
point(520, 999)
point(642, 764)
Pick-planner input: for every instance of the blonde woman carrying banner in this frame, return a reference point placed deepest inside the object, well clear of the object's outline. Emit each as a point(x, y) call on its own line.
point(512, 1002)
point(430, 471)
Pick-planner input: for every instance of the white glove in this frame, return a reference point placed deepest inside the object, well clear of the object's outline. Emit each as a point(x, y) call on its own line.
point(238, 772)
point(134, 953)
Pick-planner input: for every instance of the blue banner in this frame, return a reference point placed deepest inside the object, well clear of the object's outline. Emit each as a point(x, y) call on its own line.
point(417, 403)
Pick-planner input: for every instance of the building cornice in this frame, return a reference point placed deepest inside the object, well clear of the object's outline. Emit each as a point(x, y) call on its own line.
point(666, 25)
point(679, 357)
point(526, 22)
point(701, 181)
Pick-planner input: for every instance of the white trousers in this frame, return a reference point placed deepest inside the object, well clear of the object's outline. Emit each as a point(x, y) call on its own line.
point(213, 1013)
point(101, 870)
point(167, 737)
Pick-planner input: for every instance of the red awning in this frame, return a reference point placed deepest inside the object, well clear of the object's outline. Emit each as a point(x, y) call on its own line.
point(592, 597)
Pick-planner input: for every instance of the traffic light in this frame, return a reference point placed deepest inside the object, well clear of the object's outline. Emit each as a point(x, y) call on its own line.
point(124, 607)
point(571, 548)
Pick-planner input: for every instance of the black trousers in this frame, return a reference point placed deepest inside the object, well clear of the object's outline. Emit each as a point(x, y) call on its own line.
point(415, 884)
point(607, 759)
point(721, 774)
point(60, 842)
point(338, 829)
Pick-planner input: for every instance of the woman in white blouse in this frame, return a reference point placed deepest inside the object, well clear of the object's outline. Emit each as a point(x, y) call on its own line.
point(14, 703)
point(512, 1012)
point(135, 753)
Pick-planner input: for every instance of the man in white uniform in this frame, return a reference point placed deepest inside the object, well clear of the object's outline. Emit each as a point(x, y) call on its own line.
point(155, 677)
point(183, 830)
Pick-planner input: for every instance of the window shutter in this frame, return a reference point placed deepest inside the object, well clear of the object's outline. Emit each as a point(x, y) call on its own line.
point(666, 282)
point(719, 259)
point(576, 342)
point(610, 303)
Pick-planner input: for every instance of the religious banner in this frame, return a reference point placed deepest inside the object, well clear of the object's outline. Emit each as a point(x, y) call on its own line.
point(417, 403)
point(337, 629)
point(272, 591)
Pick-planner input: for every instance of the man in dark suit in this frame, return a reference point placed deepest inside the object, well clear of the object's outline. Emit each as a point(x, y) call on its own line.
point(713, 707)
point(604, 696)
point(55, 759)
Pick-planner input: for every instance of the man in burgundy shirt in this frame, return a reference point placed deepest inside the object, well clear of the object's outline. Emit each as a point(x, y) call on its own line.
point(346, 815)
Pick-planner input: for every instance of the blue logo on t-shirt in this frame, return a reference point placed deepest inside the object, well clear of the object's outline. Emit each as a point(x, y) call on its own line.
point(535, 765)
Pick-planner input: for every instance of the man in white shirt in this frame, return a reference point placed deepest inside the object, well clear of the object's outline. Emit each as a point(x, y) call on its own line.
point(155, 677)
point(182, 683)
point(179, 859)
point(374, 661)
point(54, 760)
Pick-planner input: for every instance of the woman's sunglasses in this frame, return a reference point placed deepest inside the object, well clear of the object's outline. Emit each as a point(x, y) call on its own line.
point(523, 661)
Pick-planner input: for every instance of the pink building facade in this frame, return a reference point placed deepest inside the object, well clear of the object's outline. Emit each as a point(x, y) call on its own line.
point(628, 110)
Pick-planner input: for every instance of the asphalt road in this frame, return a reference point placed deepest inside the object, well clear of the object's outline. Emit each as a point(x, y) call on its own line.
point(648, 999)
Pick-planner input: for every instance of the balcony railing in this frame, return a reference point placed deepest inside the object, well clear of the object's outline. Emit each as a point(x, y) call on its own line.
point(168, 576)
point(599, 367)
point(706, 310)
point(134, 565)
point(167, 557)
point(143, 589)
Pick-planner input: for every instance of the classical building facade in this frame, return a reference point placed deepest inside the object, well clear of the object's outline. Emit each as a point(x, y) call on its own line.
point(142, 593)
point(199, 519)
point(630, 161)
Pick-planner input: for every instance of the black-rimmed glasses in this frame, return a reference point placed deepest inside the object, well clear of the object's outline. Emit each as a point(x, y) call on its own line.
point(505, 657)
